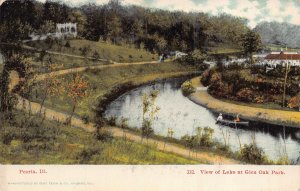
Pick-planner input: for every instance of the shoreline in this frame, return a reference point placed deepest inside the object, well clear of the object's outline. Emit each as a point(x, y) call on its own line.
point(270, 116)
point(52, 114)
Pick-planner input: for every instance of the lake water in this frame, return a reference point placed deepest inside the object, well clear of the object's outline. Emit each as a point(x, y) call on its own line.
point(184, 116)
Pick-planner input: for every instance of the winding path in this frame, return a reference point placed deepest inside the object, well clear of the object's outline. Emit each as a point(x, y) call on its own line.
point(24, 104)
point(272, 116)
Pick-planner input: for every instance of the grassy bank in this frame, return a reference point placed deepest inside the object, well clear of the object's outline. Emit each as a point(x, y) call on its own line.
point(103, 50)
point(32, 142)
point(102, 81)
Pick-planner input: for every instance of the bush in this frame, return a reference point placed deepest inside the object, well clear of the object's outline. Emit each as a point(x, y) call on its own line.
point(68, 45)
point(112, 121)
point(8, 136)
point(187, 88)
point(85, 50)
point(206, 138)
point(245, 94)
point(85, 118)
point(252, 154)
point(220, 89)
point(96, 55)
point(205, 77)
point(294, 102)
point(86, 154)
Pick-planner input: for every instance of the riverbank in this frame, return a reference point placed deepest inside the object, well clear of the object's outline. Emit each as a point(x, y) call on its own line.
point(271, 116)
point(203, 156)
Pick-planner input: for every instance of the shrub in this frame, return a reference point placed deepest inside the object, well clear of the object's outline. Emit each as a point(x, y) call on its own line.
point(219, 89)
point(187, 88)
point(294, 102)
point(245, 94)
point(252, 154)
point(205, 77)
point(85, 50)
point(112, 121)
point(283, 160)
point(215, 77)
point(68, 45)
point(147, 130)
point(259, 99)
point(8, 136)
point(96, 55)
point(206, 138)
point(189, 141)
point(85, 118)
point(86, 154)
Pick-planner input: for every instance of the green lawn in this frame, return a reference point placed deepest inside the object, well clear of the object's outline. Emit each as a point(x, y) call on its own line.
point(274, 47)
point(53, 143)
point(62, 62)
point(124, 53)
point(102, 81)
point(223, 50)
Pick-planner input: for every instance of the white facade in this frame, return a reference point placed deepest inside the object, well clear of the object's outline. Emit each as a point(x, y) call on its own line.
point(281, 58)
point(66, 29)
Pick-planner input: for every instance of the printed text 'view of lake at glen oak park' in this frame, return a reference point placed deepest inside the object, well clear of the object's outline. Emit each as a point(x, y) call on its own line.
point(150, 82)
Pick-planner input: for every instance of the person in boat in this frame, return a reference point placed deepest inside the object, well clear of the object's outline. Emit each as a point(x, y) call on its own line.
point(220, 117)
point(237, 119)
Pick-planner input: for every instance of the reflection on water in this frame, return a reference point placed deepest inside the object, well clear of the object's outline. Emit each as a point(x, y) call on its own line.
point(183, 116)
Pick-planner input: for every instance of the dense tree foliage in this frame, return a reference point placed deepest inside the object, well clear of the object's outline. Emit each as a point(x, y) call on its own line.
point(251, 43)
point(152, 29)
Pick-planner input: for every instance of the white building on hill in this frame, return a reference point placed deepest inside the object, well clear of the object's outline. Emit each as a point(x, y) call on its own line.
point(66, 29)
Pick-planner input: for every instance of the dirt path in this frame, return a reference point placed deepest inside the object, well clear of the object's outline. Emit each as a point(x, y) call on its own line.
point(81, 69)
point(202, 97)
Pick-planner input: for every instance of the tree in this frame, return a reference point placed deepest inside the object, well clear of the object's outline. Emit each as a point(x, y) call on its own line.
point(251, 42)
point(15, 31)
point(15, 63)
point(161, 43)
point(287, 70)
point(151, 109)
point(47, 27)
point(77, 90)
point(52, 86)
point(189, 141)
point(124, 125)
point(77, 16)
point(114, 28)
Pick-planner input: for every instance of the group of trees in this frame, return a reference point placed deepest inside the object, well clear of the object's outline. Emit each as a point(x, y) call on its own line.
point(155, 30)
point(77, 86)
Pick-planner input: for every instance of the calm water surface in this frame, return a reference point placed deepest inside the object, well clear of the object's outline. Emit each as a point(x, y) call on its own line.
point(183, 116)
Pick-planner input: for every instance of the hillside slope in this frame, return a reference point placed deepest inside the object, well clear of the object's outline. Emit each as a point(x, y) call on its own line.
point(284, 34)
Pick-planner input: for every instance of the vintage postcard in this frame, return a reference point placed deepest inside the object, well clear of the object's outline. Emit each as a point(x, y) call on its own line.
point(149, 95)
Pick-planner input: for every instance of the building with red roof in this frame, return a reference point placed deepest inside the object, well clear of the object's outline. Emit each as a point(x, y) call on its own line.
point(281, 58)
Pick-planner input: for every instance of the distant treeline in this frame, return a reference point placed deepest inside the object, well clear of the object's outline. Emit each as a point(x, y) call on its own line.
point(282, 34)
point(152, 29)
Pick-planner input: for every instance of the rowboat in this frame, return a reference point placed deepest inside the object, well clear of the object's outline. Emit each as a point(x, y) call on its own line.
point(229, 122)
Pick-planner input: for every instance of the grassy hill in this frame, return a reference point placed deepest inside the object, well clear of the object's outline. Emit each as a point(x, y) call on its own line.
point(34, 142)
point(124, 53)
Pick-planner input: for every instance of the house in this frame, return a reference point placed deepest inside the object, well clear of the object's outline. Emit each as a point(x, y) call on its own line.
point(62, 30)
point(281, 58)
point(66, 29)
